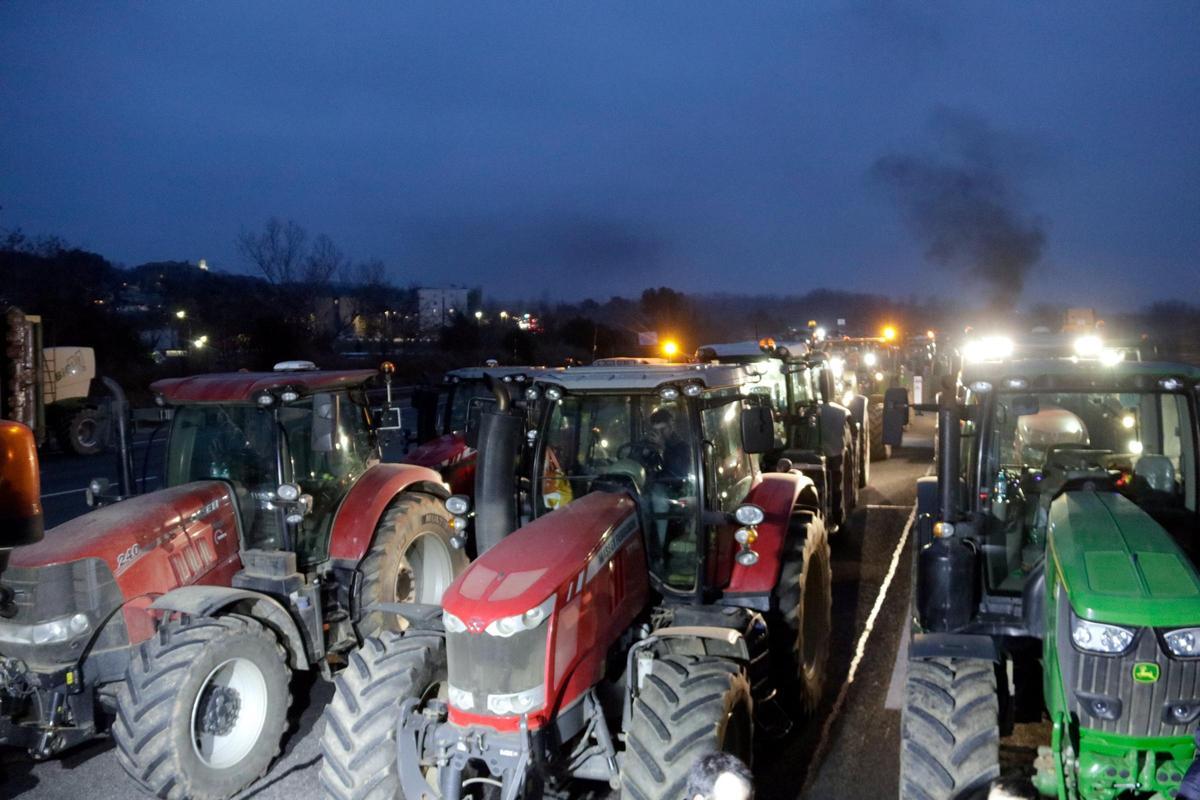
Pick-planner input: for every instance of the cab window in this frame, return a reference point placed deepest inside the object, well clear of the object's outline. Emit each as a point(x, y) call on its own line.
point(731, 468)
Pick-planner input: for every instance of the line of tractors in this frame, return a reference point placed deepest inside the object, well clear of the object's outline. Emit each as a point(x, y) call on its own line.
point(590, 576)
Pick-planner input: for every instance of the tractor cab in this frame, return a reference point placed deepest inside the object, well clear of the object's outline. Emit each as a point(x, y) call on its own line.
point(1059, 543)
point(259, 432)
point(681, 441)
point(447, 419)
point(870, 364)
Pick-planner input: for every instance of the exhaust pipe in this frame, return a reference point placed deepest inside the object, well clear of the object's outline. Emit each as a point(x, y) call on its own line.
point(120, 412)
point(949, 441)
point(499, 446)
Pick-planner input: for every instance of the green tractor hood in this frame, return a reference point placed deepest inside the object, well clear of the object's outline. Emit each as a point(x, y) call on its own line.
point(1118, 565)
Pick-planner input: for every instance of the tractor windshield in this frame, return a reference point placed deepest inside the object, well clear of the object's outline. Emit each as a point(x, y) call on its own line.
point(236, 444)
point(1140, 444)
point(643, 443)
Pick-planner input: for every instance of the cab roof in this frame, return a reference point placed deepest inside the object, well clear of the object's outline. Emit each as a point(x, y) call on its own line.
point(649, 377)
point(1050, 373)
point(243, 387)
point(478, 373)
point(750, 350)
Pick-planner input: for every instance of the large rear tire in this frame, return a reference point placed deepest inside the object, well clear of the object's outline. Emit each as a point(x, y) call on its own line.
point(203, 708)
point(879, 450)
point(802, 622)
point(950, 730)
point(358, 747)
point(687, 706)
point(412, 560)
point(85, 432)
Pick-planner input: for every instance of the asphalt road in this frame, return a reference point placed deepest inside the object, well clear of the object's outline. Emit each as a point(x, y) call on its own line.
point(848, 749)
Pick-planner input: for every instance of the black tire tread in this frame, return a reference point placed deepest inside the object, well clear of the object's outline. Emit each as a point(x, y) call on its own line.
point(806, 545)
point(146, 697)
point(676, 718)
point(389, 535)
point(950, 729)
point(358, 743)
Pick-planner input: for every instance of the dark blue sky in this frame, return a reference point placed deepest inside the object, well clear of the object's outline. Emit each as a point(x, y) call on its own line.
point(576, 149)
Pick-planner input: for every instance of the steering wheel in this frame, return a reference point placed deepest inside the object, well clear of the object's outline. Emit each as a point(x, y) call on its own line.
point(645, 452)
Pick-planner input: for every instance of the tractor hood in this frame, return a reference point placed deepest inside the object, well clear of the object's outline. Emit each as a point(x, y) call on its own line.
point(121, 533)
point(532, 563)
point(1118, 565)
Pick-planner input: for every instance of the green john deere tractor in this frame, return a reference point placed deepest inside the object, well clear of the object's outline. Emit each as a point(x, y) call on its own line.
point(1055, 563)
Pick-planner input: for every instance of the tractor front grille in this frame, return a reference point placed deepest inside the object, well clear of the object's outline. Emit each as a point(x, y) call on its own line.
point(1101, 690)
point(487, 666)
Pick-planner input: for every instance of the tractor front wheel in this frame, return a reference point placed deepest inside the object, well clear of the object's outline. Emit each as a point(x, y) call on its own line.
point(802, 622)
point(950, 730)
point(412, 559)
point(358, 747)
point(687, 706)
point(203, 707)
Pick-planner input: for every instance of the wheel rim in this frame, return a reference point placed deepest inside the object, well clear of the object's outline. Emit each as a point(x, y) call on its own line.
point(229, 713)
point(85, 432)
point(426, 570)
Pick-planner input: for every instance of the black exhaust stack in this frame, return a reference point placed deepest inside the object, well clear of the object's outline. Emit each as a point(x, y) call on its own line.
point(947, 568)
point(500, 437)
point(949, 447)
point(119, 411)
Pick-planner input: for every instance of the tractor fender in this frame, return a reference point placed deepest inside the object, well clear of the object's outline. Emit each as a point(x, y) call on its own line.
point(363, 506)
point(953, 645)
point(777, 495)
point(210, 601)
point(833, 422)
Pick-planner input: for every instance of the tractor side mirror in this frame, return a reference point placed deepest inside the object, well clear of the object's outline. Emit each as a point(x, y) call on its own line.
point(895, 412)
point(20, 487)
point(324, 422)
point(758, 429)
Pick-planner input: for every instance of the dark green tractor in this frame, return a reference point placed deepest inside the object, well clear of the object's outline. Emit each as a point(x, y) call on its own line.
point(1055, 564)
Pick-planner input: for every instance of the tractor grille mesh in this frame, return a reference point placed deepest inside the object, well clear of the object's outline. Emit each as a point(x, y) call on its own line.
point(484, 665)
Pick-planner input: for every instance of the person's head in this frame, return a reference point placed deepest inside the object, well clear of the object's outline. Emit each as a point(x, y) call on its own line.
point(720, 776)
point(662, 423)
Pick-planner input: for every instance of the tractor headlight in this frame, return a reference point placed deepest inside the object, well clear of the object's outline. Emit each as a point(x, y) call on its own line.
point(458, 505)
point(1098, 637)
point(517, 702)
point(1183, 642)
point(452, 623)
point(511, 626)
point(56, 630)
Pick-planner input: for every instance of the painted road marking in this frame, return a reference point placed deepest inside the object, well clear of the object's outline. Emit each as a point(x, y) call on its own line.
point(859, 652)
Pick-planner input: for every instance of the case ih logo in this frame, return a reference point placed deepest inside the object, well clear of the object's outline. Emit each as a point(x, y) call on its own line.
point(1144, 672)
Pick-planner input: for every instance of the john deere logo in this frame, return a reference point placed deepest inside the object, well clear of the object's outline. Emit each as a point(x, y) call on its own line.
point(1145, 673)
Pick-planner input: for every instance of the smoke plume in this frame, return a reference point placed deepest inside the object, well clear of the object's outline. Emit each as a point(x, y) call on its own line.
point(961, 204)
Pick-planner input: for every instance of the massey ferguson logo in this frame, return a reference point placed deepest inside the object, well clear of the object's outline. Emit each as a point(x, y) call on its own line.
point(1145, 672)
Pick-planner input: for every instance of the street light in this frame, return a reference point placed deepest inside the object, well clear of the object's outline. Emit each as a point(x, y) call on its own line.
point(478, 315)
point(181, 314)
point(889, 333)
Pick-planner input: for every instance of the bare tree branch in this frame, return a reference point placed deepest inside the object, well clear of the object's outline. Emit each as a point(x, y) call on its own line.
point(277, 252)
point(324, 260)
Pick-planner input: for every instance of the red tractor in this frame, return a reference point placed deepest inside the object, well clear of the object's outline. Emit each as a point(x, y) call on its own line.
point(447, 417)
point(669, 599)
point(176, 618)
point(825, 434)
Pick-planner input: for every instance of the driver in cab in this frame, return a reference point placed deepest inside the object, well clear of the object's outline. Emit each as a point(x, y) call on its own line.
point(673, 449)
